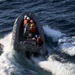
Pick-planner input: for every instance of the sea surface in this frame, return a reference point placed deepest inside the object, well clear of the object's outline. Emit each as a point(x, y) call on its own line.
point(58, 22)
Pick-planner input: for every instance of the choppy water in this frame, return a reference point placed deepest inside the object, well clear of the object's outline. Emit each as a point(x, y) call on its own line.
point(58, 20)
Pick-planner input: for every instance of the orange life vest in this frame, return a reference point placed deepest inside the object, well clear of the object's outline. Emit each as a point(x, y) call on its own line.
point(25, 22)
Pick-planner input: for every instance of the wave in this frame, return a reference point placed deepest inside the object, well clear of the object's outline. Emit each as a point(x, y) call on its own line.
point(58, 68)
point(65, 43)
point(2, 0)
point(8, 64)
point(54, 34)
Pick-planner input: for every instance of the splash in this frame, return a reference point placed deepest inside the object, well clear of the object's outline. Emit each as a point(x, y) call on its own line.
point(54, 34)
point(58, 68)
point(65, 44)
point(54, 66)
point(6, 59)
point(8, 65)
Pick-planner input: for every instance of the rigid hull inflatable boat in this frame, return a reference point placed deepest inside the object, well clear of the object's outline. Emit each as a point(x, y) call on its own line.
point(23, 44)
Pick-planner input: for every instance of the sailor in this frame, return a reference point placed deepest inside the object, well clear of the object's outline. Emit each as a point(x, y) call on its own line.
point(32, 29)
point(26, 25)
point(39, 41)
point(30, 33)
point(31, 21)
point(26, 20)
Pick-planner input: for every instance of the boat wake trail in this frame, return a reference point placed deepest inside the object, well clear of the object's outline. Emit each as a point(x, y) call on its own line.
point(64, 43)
point(58, 68)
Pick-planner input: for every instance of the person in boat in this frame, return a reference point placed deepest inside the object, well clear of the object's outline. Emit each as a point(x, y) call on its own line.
point(32, 29)
point(26, 25)
point(31, 22)
point(39, 40)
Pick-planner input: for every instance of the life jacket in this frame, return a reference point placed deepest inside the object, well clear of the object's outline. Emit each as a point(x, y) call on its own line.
point(32, 29)
point(25, 22)
point(32, 24)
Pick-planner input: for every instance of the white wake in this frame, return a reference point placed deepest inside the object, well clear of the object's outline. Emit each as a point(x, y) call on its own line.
point(8, 65)
point(55, 67)
point(65, 44)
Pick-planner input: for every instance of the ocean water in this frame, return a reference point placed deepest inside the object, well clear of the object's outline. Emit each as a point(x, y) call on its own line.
point(58, 21)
